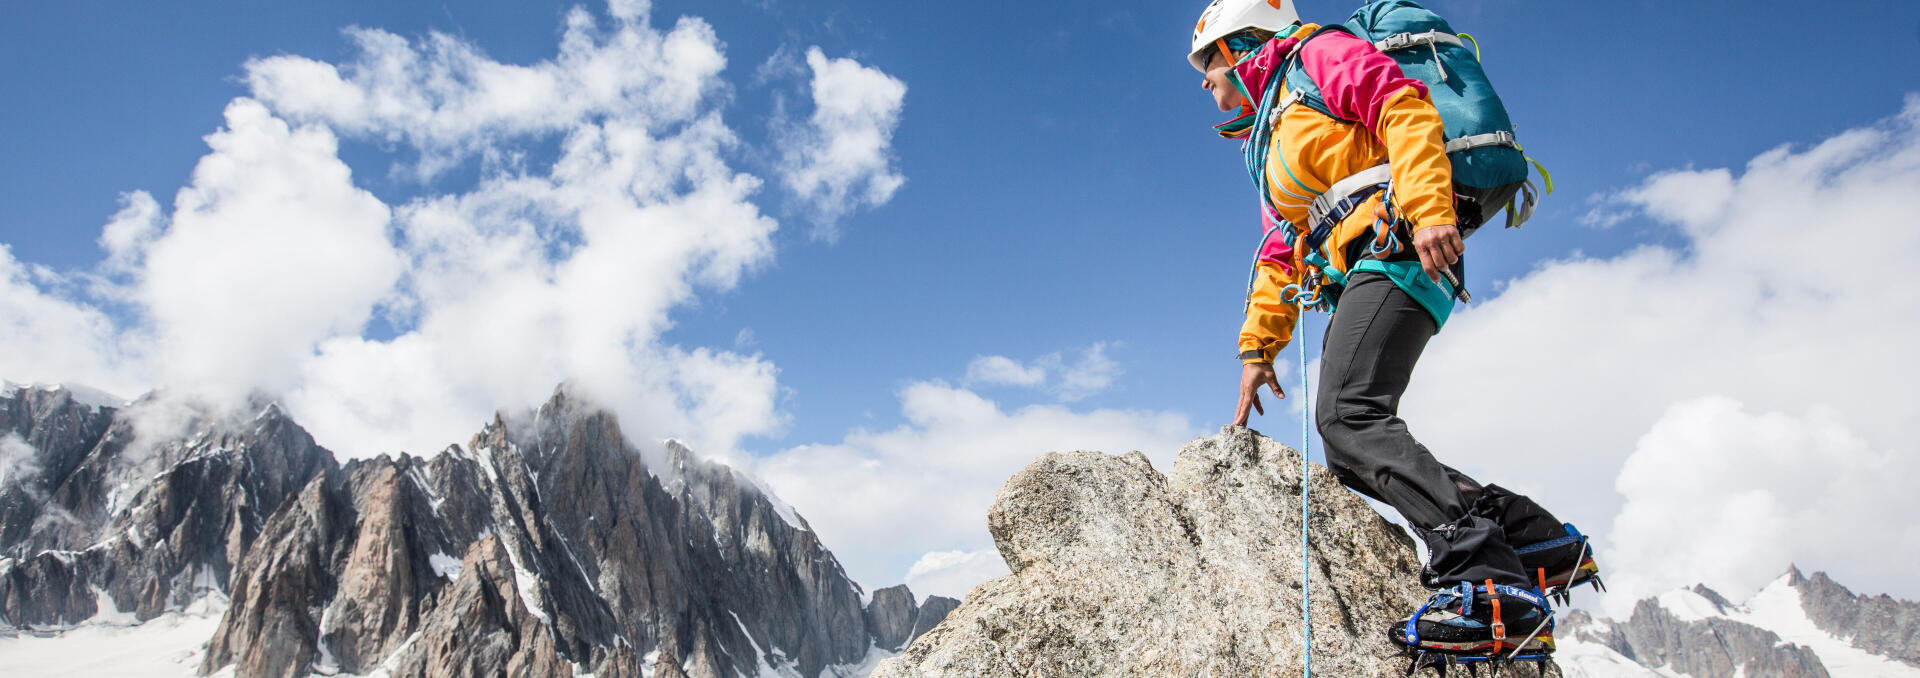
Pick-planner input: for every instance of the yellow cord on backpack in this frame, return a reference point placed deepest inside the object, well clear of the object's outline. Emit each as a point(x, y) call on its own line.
point(1476, 45)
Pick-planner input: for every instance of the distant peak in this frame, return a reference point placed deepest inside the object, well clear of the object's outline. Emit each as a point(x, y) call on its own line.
point(82, 394)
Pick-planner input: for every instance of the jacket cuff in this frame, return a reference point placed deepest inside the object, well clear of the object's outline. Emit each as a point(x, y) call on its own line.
point(1429, 222)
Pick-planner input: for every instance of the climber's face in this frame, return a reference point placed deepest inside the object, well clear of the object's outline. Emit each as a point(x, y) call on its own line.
point(1225, 95)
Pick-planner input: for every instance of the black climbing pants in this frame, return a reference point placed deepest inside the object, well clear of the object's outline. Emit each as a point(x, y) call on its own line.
point(1375, 338)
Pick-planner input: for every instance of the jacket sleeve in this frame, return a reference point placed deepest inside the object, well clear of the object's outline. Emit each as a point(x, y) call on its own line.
point(1270, 319)
point(1364, 85)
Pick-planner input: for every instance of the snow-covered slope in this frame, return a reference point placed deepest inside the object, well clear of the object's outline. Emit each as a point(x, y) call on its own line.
point(169, 646)
point(1695, 632)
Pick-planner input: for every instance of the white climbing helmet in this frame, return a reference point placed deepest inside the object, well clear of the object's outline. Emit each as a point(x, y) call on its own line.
point(1227, 17)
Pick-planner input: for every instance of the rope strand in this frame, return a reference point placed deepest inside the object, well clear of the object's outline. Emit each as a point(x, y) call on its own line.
point(1306, 444)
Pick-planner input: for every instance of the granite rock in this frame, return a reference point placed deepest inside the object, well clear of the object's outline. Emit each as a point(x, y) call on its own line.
point(1118, 570)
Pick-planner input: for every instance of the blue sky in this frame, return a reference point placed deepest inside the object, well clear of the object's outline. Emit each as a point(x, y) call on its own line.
point(1062, 188)
point(1062, 185)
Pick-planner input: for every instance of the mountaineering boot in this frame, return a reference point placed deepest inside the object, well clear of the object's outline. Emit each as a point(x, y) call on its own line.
point(1557, 565)
point(1485, 620)
point(1554, 556)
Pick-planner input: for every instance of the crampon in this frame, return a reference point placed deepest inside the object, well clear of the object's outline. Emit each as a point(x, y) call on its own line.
point(1468, 627)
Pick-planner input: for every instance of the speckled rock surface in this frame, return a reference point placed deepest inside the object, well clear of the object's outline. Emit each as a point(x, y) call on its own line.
point(1119, 570)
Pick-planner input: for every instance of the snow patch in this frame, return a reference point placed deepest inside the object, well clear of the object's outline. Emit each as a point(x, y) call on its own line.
point(760, 658)
point(444, 565)
point(1777, 608)
point(524, 581)
point(859, 669)
point(1688, 606)
point(1579, 659)
point(780, 507)
point(107, 612)
point(168, 646)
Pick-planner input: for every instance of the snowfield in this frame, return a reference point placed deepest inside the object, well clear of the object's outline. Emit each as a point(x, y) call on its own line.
point(167, 646)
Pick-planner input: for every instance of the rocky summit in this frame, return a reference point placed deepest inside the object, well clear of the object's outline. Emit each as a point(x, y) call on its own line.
point(544, 547)
point(1119, 570)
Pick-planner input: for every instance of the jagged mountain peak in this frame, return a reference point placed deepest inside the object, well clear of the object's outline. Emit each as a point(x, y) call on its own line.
point(550, 528)
point(80, 394)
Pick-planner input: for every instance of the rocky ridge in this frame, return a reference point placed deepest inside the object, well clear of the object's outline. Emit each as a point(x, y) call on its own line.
point(543, 548)
point(1797, 626)
point(1656, 637)
point(1876, 624)
point(1119, 570)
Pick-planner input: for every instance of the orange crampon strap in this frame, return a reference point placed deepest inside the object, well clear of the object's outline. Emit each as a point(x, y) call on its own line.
point(1543, 581)
point(1499, 627)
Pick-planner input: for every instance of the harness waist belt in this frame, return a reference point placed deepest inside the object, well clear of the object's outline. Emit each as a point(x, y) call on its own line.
point(1333, 200)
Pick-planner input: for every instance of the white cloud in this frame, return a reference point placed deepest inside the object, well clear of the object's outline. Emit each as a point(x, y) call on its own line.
point(271, 251)
point(1003, 371)
point(17, 465)
point(127, 236)
point(843, 158)
point(1719, 495)
point(272, 263)
point(882, 500)
point(444, 97)
point(954, 573)
point(47, 338)
point(1091, 374)
point(1791, 294)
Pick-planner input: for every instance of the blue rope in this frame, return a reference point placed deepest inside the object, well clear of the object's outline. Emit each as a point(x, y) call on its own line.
point(1306, 444)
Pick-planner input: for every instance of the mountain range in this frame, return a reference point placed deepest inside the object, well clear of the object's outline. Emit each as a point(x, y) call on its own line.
point(150, 538)
point(544, 546)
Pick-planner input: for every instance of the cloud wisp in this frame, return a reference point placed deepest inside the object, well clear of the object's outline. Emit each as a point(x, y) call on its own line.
point(1090, 374)
point(271, 269)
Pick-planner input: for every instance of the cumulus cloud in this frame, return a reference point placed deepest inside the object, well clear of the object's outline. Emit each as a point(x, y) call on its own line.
point(444, 97)
point(1717, 494)
point(1091, 373)
point(842, 157)
point(271, 250)
point(402, 326)
point(51, 338)
point(954, 573)
point(1787, 302)
point(132, 229)
point(885, 500)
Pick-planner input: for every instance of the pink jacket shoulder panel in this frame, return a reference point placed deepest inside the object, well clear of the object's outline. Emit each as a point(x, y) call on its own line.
point(1356, 79)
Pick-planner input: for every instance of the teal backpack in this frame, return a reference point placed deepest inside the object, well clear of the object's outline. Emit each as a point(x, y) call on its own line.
point(1489, 168)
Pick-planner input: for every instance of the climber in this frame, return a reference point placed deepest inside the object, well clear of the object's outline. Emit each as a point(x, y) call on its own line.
point(1495, 556)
